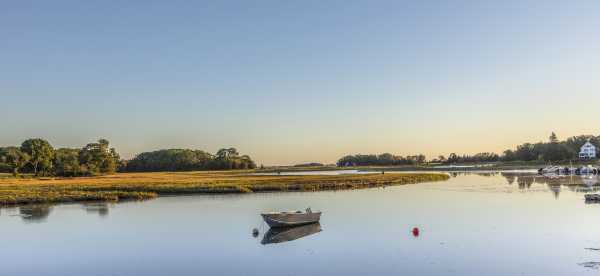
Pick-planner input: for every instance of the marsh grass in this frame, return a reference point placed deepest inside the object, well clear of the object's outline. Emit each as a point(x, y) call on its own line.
point(140, 186)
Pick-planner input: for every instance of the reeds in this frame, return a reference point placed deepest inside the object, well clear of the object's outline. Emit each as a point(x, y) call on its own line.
point(140, 186)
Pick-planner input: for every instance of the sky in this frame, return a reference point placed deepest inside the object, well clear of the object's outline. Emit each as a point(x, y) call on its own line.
point(299, 81)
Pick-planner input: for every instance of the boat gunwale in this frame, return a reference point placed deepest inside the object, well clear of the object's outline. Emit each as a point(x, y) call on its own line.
point(290, 213)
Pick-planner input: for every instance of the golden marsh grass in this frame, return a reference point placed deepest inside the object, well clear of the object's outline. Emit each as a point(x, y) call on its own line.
point(139, 186)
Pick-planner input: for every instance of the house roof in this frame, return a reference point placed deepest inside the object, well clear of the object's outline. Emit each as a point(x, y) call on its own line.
point(588, 144)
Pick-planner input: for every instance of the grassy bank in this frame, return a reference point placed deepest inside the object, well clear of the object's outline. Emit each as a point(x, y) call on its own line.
point(138, 186)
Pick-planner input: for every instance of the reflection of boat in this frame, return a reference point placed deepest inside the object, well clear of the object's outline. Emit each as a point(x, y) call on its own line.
point(286, 219)
point(285, 234)
point(589, 180)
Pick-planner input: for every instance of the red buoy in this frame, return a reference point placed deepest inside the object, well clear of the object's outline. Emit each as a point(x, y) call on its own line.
point(415, 232)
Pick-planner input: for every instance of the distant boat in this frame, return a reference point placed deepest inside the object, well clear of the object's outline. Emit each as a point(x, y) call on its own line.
point(287, 219)
point(592, 197)
point(589, 169)
point(285, 234)
point(557, 170)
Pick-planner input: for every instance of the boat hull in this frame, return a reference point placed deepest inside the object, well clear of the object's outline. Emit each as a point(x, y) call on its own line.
point(592, 197)
point(290, 219)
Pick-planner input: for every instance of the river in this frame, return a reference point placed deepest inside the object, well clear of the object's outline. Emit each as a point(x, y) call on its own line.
point(473, 224)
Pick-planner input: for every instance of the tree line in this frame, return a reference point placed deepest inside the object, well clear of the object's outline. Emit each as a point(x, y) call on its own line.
point(551, 151)
point(37, 156)
point(385, 159)
point(188, 160)
point(465, 158)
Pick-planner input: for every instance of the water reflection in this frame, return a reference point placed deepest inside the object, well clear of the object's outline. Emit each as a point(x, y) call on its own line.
point(100, 208)
point(525, 181)
point(592, 265)
point(466, 222)
point(583, 183)
point(39, 213)
point(35, 213)
point(279, 235)
point(589, 180)
point(481, 173)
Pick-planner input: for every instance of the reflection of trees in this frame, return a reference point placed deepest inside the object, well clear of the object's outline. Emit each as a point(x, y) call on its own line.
point(555, 190)
point(525, 182)
point(100, 208)
point(510, 178)
point(575, 183)
point(487, 174)
point(35, 213)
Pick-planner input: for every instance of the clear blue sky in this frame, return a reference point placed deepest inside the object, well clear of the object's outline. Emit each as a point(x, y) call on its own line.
point(299, 81)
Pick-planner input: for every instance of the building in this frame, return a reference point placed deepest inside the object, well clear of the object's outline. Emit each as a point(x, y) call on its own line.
point(588, 151)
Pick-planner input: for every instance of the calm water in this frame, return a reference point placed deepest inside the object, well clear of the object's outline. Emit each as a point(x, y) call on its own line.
point(473, 224)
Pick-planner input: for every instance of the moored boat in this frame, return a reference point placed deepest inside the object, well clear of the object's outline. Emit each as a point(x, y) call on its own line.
point(287, 219)
point(558, 170)
point(588, 170)
point(592, 197)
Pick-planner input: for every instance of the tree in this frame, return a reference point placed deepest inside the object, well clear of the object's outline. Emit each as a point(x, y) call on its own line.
point(189, 160)
point(41, 153)
point(452, 158)
point(509, 155)
point(15, 158)
point(441, 158)
point(227, 153)
point(98, 158)
point(553, 139)
point(384, 159)
point(525, 152)
point(66, 162)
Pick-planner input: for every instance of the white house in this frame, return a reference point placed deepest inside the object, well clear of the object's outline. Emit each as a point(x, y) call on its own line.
point(588, 151)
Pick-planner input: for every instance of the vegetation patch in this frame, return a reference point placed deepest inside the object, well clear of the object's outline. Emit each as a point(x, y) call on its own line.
point(140, 186)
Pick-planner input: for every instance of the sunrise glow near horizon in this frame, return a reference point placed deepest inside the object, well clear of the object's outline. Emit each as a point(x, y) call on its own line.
point(305, 81)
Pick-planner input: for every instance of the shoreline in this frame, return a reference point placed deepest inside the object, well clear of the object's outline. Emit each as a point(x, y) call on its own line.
point(144, 186)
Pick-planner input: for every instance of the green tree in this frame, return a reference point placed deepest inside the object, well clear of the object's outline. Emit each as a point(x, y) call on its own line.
point(509, 155)
point(41, 153)
point(229, 153)
point(15, 158)
point(66, 162)
point(188, 160)
point(98, 158)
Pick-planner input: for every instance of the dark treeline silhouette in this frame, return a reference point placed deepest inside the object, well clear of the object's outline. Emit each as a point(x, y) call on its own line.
point(480, 157)
point(553, 150)
point(37, 156)
point(188, 160)
point(312, 164)
point(385, 159)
